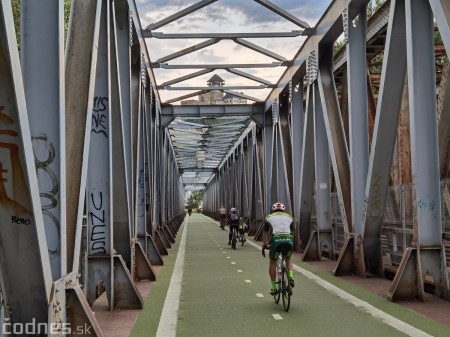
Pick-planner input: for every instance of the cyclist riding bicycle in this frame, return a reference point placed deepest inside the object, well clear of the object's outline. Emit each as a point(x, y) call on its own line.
point(222, 216)
point(278, 230)
point(242, 228)
point(233, 221)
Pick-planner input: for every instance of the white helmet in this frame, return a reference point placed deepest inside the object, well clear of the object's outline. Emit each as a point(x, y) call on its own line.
point(278, 206)
point(233, 209)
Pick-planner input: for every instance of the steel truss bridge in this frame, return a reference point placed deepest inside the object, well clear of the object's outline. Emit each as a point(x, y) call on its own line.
point(95, 166)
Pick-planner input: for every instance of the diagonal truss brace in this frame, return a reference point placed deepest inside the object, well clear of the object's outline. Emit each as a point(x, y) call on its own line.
point(178, 15)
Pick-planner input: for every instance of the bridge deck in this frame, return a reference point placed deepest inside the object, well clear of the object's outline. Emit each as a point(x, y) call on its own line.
point(217, 298)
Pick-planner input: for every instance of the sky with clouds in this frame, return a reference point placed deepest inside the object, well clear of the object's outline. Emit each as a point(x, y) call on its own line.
point(225, 16)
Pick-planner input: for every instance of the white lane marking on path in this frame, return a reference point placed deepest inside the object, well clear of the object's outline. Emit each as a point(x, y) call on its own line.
point(168, 321)
point(248, 281)
point(370, 309)
point(277, 317)
point(239, 271)
point(228, 257)
point(233, 262)
point(259, 295)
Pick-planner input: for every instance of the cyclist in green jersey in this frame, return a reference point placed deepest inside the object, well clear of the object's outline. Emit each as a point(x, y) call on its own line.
point(278, 230)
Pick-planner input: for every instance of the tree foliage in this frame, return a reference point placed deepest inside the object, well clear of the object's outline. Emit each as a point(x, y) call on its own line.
point(16, 13)
point(195, 199)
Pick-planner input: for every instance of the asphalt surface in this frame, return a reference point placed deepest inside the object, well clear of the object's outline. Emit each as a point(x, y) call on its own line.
point(225, 292)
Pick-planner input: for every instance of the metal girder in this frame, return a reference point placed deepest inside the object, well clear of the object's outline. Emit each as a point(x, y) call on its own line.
point(219, 66)
point(387, 115)
point(169, 112)
point(80, 68)
point(158, 35)
point(188, 50)
point(184, 78)
point(211, 88)
point(259, 49)
point(42, 59)
point(326, 31)
point(358, 115)
point(336, 140)
point(249, 76)
point(197, 169)
point(423, 122)
point(298, 121)
point(25, 271)
point(307, 169)
point(176, 16)
point(288, 16)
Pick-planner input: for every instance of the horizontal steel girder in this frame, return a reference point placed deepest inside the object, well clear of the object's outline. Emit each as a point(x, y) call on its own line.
point(169, 112)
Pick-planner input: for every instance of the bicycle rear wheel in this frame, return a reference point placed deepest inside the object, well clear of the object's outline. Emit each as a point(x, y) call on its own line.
point(277, 296)
point(233, 240)
point(287, 291)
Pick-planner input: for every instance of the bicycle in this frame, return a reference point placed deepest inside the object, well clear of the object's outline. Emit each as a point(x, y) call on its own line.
point(282, 280)
point(242, 238)
point(234, 238)
point(222, 223)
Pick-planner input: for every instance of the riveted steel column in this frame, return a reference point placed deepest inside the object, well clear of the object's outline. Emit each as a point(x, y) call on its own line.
point(283, 155)
point(307, 169)
point(322, 172)
point(424, 148)
point(297, 122)
point(336, 137)
point(383, 141)
point(26, 274)
point(123, 230)
point(358, 123)
point(321, 240)
point(124, 41)
point(81, 63)
point(42, 57)
point(267, 168)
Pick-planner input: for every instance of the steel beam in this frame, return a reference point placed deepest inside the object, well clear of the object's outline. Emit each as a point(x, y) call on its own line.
point(383, 141)
point(158, 35)
point(288, 16)
point(25, 272)
point(42, 57)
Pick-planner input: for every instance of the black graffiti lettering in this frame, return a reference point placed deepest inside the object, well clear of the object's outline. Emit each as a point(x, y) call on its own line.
point(20, 221)
point(97, 225)
point(101, 248)
point(100, 116)
point(41, 146)
point(101, 201)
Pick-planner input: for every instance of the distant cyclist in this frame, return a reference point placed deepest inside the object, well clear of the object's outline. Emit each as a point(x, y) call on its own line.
point(233, 221)
point(278, 230)
point(222, 216)
point(242, 229)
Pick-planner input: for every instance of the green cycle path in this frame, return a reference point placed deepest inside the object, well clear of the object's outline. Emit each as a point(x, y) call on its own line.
point(206, 288)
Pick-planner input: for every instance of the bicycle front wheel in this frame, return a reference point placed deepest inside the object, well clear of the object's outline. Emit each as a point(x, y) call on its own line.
point(287, 291)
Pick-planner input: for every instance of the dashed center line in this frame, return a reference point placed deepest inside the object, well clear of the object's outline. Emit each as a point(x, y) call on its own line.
point(239, 271)
point(259, 295)
point(248, 281)
point(277, 317)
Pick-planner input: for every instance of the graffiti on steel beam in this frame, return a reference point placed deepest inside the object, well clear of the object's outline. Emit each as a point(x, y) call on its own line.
point(98, 225)
point(11, 170)
point(99, 116)
point(44, 156)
